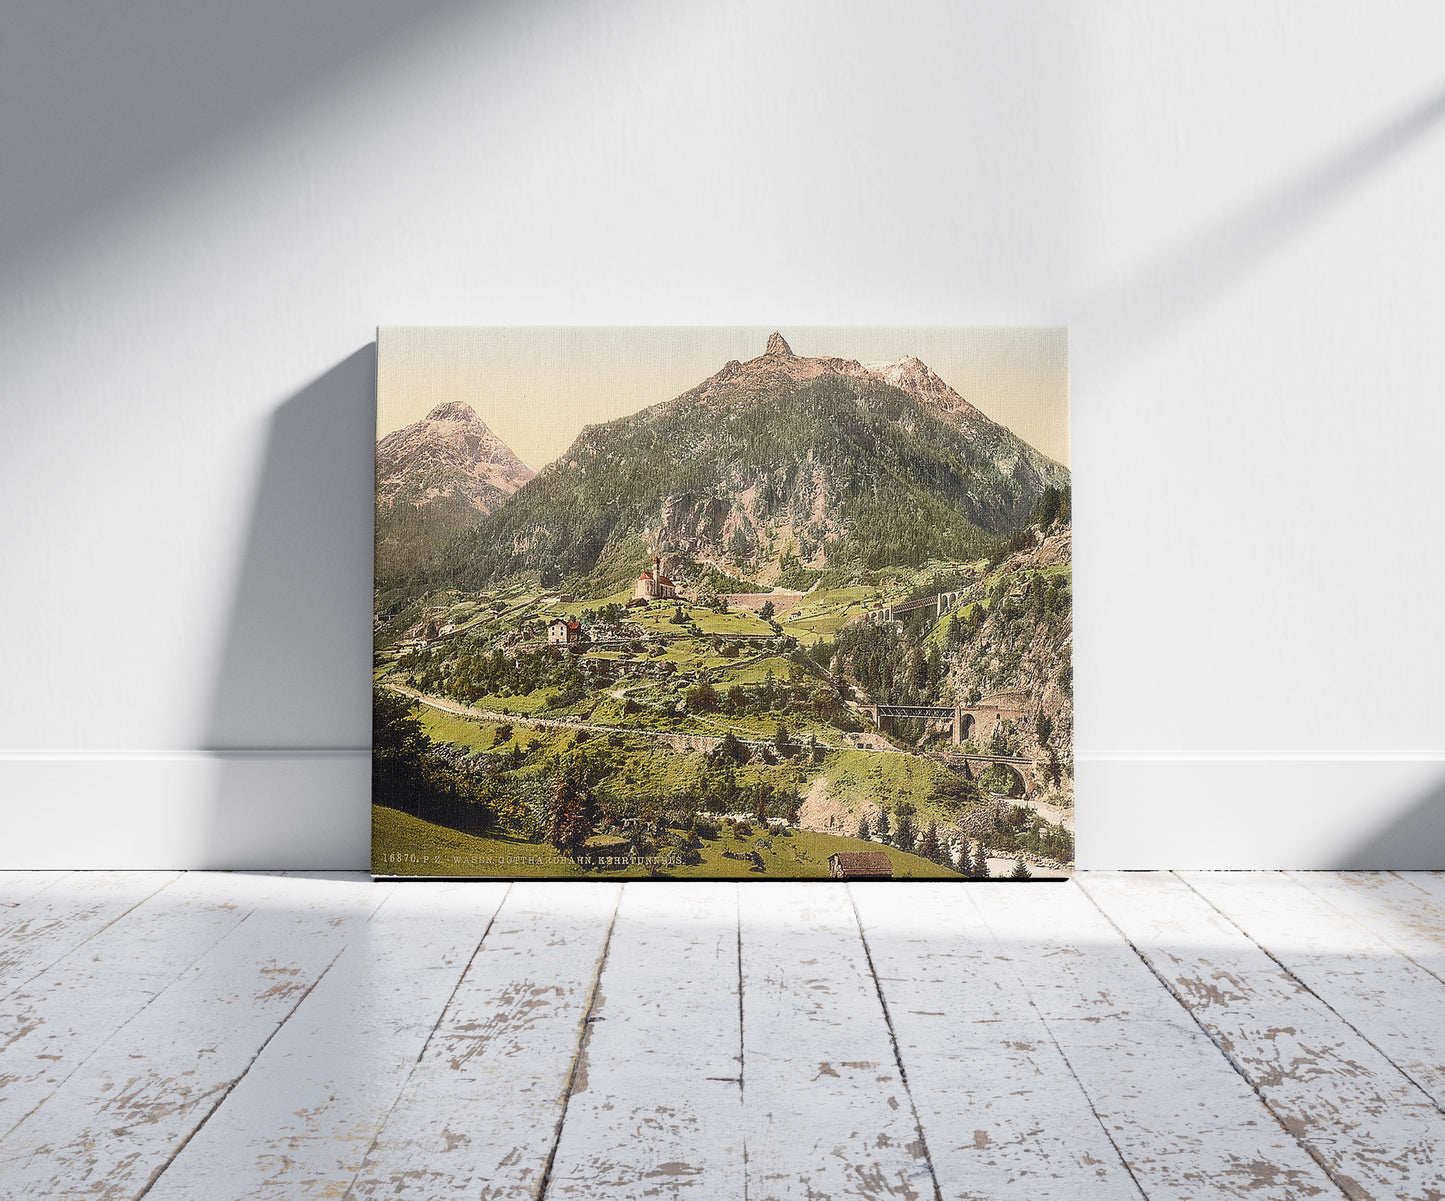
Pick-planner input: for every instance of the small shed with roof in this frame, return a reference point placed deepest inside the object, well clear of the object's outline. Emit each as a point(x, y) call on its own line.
point(860, 865)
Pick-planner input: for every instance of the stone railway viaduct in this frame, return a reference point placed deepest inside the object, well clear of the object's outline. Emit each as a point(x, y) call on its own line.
point(940, 605)
point(978, 720)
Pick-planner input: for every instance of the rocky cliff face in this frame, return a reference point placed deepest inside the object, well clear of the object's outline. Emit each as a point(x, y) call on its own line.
point(1023, 642)
point(435, 479)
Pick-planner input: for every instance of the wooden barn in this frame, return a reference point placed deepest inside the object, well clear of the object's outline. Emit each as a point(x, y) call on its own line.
point(860, 865)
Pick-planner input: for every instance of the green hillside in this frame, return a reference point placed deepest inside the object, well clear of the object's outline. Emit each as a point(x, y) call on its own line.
point(408, 846)
point(852, 466)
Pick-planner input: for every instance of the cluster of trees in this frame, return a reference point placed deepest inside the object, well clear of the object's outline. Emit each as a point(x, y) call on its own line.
point(408, 774)
point(1016, 829)
point(783, 746)
point(968, 857)
point(464, 670)
point(892, 667)
point(771, 697)
point(1054, 507)
point(897, 829)
point(611, 614)
point(580, 806)
point(562, 796)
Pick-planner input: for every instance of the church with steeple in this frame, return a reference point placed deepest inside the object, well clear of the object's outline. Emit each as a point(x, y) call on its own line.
point(653, 585)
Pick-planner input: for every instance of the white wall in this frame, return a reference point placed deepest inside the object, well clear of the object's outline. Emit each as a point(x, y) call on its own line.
point(206, 208)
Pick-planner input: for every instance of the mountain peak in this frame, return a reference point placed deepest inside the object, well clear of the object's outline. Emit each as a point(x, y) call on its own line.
point(449, 456)
point(777, 346)
point(453, 410)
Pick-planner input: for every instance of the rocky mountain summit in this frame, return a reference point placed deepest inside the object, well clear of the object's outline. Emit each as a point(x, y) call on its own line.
point(910, 375)
point(781, 459)
point(450, 453)
point(435, 479)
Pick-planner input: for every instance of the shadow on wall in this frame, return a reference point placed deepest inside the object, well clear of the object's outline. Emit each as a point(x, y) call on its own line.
point(1413, 841)
point(290, 719)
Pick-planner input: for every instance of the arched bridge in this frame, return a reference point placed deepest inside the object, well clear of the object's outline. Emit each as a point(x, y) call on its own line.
point(940, 605)
point(971, 764)
point(966, 721)
point(978, 720)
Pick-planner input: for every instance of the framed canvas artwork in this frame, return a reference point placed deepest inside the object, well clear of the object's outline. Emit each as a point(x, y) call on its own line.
point(723, 603)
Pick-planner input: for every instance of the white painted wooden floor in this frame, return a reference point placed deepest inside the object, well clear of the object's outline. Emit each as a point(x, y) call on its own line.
point(1191, 1035)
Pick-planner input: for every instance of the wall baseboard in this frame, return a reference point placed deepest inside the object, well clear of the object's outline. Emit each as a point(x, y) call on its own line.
point(1259, 810)
point(256, 809)
point(308, 809)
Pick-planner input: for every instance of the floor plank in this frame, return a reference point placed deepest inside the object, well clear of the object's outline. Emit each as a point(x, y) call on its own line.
point(122, 1115)
point(16, 887)
point(656, 1110)
point(1375, 1131)
point(300, 1122)
point(1388, 999)
point(220, 1036)
point(827, 1113)
point(479, 1116)
point(1002, 1114)
point(50, 1025)
point(47, 925)
point(1186, 1124)
point(1404, 909)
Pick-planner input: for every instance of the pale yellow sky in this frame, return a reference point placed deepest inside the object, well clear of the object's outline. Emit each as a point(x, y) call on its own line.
point(536, 387)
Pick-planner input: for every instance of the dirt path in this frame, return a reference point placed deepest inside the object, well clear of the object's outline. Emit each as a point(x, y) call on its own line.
point(686, 742)
point(1058, 814)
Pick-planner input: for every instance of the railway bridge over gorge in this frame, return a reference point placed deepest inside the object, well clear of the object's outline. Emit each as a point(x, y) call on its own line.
point(940, 605)
point(970, 765)
point(978, 720)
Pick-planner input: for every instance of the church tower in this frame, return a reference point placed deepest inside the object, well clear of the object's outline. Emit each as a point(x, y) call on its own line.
point(653, 585)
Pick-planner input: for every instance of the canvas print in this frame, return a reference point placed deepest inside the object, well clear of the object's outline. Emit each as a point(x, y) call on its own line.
point(723, 603)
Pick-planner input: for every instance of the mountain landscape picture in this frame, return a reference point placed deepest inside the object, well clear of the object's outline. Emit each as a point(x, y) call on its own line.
point(723, 603)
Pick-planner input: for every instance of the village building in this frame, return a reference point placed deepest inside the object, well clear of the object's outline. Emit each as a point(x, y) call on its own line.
point(561, 630)
point(860, 865)
point(653, 585)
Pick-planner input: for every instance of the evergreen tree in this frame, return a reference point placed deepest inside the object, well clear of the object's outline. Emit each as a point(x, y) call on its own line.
point(865, 832)
point(962, 860)
point(767, 611)
point(730, 750)
point(782, 742)
point(1043, 726)
point(1020, 871)
point(570, 819)
point(929, 848)
point(979, 868)
point(906, 833)
point(760, 804)
point(885, 827)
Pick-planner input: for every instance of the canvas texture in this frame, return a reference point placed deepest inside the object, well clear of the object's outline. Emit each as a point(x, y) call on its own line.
point(723, 603)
